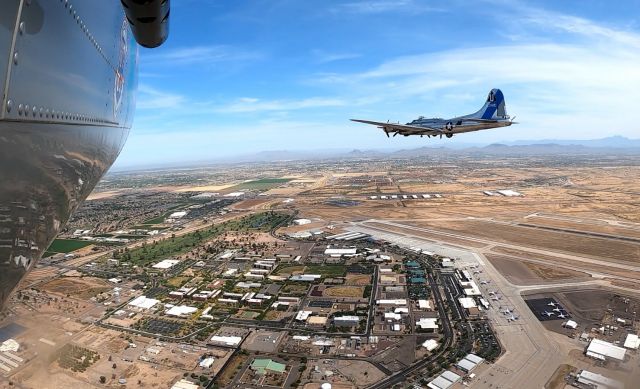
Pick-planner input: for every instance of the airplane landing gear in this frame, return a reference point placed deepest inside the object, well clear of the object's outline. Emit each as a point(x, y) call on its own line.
point(449, 135)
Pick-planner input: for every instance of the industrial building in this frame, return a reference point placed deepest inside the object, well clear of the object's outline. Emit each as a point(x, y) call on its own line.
point(346, 321)
point(430, 344)
point(143, 303)
point(469, 363)
point(229, 341)
point(601, 350)
point(597, 381)
point(632, 342)
point(444, 381)
point(262, 366)
point(166, 264)
point(428, 324)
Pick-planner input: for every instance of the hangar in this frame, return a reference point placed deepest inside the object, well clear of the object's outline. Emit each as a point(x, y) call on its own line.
point(599, 349)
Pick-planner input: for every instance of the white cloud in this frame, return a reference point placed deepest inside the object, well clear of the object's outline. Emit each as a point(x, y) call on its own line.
point(198, 54)
point(322, 56)
point(151, 98)
point(384, 6)
point(256, 105)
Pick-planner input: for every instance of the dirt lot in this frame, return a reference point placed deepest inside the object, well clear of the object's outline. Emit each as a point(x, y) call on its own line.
point(528, 273)
point(361, 372)
point(542, 239)
point(232, 369)
point(251, 204)
point(343, 291)
point(82, 288)
point(358, 279)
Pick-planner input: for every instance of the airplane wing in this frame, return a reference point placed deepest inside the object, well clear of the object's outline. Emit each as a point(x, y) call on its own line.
point(402, 129)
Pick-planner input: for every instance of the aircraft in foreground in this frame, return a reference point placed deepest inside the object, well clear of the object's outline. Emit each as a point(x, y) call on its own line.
point(68, 70)
point(492, 115)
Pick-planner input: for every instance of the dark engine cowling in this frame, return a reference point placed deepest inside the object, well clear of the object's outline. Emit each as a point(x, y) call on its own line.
point(149, 20)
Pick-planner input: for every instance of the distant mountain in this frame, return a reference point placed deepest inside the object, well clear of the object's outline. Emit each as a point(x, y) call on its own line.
point(610, 142)
point(615, 145)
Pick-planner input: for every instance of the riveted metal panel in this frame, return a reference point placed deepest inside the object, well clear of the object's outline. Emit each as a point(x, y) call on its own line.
point(61, 73)
point(8, 16)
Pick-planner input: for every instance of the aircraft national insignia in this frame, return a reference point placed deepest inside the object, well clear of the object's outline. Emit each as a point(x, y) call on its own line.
point(119, 76)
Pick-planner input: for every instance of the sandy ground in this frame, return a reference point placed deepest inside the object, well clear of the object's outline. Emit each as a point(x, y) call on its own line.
point(103, 195)
point(204, 188)
point(527, 273)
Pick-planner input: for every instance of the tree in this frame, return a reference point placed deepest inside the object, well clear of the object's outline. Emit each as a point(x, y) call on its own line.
point(114, 366)
point(103, 379)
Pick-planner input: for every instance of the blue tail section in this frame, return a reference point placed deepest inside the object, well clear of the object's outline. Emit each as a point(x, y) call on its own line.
point(494, 107)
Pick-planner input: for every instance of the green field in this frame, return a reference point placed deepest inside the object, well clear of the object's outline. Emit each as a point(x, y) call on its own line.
point(170, 247)
point(326, 270)
point(259, 185)
point(67, 245)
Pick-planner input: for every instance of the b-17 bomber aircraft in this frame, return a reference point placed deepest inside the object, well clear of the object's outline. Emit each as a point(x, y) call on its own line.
point(492, 115)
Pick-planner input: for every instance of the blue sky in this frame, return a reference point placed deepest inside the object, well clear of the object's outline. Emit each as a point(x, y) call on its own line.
point(242, 76)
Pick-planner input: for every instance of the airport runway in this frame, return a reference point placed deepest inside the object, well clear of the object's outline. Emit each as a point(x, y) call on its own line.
point(531, 356)
point(408, 230)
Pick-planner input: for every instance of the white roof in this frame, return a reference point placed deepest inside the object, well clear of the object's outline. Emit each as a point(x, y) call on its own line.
point(234, 194)
point(165, 264)
point(143, 302)
point(181, 310)
point(424, 304)
point(427, 323)
point(430, 344)
point(401, 310)
point(303, 315)
point(600, 349)
point(207, 362)
point(450, 376)
point(347, 251)
point(301, 337)
point(392, 316)
point(474, 358)
point(393, 302)
point(347, 318)
point(177, 215)
point(598, 380)
point(467, 302)
point(466, 365)
point(632, 342)
point(227, 340)
point(571, 324)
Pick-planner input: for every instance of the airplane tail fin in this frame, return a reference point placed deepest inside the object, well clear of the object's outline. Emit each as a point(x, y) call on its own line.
point(493, 108)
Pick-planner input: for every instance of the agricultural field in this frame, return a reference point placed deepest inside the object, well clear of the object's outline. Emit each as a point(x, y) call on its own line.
point(67, 245)
point(76, 358)
point(326, 271)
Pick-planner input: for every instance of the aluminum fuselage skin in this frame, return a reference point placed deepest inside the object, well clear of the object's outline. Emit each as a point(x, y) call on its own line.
point(68, 78)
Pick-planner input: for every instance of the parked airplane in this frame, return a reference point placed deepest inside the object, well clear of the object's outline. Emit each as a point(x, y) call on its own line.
point(556, 310)
point(507, 311)
point(549, 314)
point(562, 316)
point(492, 115)
point(552, 304)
